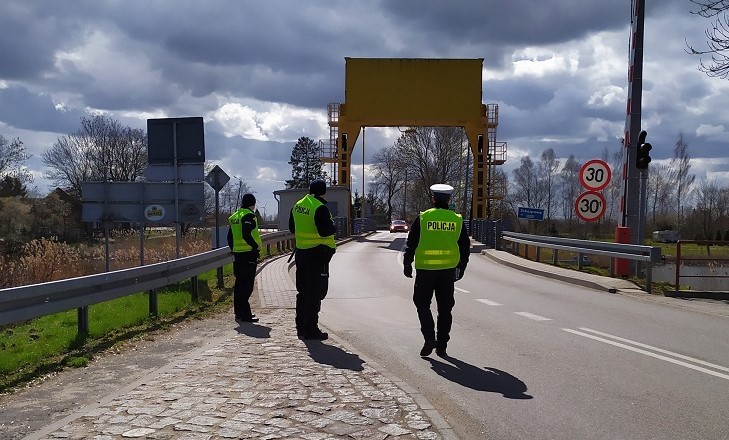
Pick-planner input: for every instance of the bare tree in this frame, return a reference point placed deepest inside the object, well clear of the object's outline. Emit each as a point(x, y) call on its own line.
point(707, 199)
point(548, 168)
point(659, 192)
point(101, 150)
point(614, 189)
point(12, 159)
point(722, 209)
point(680, 168)
point(717, 37)
point(231, 196)
point(432, 156)
point(525, 185)
point(569, 178)
point(500, 180)
point(389, 177)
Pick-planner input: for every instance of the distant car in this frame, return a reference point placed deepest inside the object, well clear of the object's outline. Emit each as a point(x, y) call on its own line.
point(399, 226)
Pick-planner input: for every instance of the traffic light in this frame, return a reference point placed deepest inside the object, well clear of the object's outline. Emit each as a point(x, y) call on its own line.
point(643, 158)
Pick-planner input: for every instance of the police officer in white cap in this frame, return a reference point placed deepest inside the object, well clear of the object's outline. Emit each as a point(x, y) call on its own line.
point(440, 246)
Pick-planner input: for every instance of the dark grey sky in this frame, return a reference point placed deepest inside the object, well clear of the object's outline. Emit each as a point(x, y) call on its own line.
point(262, 72)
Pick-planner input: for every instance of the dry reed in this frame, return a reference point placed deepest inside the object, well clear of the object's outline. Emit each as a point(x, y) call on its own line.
point(46, 259)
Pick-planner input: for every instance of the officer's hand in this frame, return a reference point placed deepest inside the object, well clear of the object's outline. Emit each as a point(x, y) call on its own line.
point(257, 253)
point(459, 274)
point(408, 270)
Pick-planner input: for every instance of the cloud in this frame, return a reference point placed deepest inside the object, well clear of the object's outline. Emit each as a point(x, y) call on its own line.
point(711, 131)
point(262, 73)
point(281, 123)
point(25, 109)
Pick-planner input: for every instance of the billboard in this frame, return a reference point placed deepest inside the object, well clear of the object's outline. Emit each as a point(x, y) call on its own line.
point(143, 201)
point(188, 134)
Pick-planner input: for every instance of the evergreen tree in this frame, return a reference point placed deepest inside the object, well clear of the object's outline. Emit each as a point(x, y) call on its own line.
point(306, 164)
point(12, 186)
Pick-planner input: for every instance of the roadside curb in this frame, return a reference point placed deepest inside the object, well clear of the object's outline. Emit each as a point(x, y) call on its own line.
point(611, 285)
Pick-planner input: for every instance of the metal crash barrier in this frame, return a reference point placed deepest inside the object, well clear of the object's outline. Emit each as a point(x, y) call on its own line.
point(22, 303)
point(648, 254)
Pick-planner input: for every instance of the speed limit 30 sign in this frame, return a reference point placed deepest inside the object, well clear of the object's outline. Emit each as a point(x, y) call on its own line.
point(590, 206)
point(595, 175)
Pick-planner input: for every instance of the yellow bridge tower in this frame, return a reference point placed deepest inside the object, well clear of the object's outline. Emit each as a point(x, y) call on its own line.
point(397, 92)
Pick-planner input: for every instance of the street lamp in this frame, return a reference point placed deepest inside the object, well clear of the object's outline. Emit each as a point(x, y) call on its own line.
point(237, 200)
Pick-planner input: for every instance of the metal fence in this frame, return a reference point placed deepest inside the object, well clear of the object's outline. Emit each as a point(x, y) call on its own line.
point(486, 231)
point(22, 303)
point(683, 259)
point(362, 225)
point(18, 304)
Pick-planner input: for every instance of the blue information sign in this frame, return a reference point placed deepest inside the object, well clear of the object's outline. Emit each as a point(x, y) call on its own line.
point(531, 213)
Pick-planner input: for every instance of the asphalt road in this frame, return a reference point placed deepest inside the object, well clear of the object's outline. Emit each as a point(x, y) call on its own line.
point(535, 358)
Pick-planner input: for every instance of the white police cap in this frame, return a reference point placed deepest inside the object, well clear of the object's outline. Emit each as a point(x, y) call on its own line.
point(441, 188)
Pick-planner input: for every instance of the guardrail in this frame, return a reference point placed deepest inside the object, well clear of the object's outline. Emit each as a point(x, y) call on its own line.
point(362, 225)
point(484, 230)
point(647, 254)
point(22, 303)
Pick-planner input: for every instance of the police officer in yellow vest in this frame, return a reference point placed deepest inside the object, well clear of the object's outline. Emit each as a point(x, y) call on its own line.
point(312, 225)
point(440, 247)
point(244, 239)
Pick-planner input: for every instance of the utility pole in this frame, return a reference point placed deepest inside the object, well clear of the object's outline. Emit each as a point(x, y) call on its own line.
point(466, 182)
point(630, 229)
point(363, 173)
point(405, 194)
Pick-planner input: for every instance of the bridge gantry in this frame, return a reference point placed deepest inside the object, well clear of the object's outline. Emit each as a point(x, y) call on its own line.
point(407, 92)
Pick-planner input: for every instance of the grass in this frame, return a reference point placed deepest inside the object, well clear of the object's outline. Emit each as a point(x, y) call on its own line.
point(657, 287)
point(51, 343)
point(687, 249)
point(692, 250)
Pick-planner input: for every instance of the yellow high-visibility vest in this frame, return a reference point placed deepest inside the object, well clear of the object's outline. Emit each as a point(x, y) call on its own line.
point(236, 227)
point(438, 244)
point(306, 234)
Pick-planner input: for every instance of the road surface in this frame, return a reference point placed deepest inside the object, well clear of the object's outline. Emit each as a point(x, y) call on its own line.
point(535, 358)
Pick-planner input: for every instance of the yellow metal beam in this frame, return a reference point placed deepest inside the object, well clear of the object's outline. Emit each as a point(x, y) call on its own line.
point(409, 92)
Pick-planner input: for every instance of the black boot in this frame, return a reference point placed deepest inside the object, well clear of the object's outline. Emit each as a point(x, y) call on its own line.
point(440, 349)
point(427, 348)
point(314, 335)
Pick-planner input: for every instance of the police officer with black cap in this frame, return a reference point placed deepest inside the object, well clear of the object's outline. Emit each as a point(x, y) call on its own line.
point(313, 228)
point(244, 239)
point(440, 246)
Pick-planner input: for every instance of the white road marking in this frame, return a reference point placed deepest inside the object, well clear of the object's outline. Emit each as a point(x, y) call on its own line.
point(659, 350)
point(648, 353)
point(532, 316)
point(462, 290)
point(487, 302)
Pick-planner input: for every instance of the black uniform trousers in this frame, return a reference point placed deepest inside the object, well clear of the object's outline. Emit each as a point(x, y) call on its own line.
point(244, 268)
point(312, 285)
point(442, 283)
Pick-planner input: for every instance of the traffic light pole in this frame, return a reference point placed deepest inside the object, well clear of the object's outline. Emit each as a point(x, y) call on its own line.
point(634, 178)
point(630, 228)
